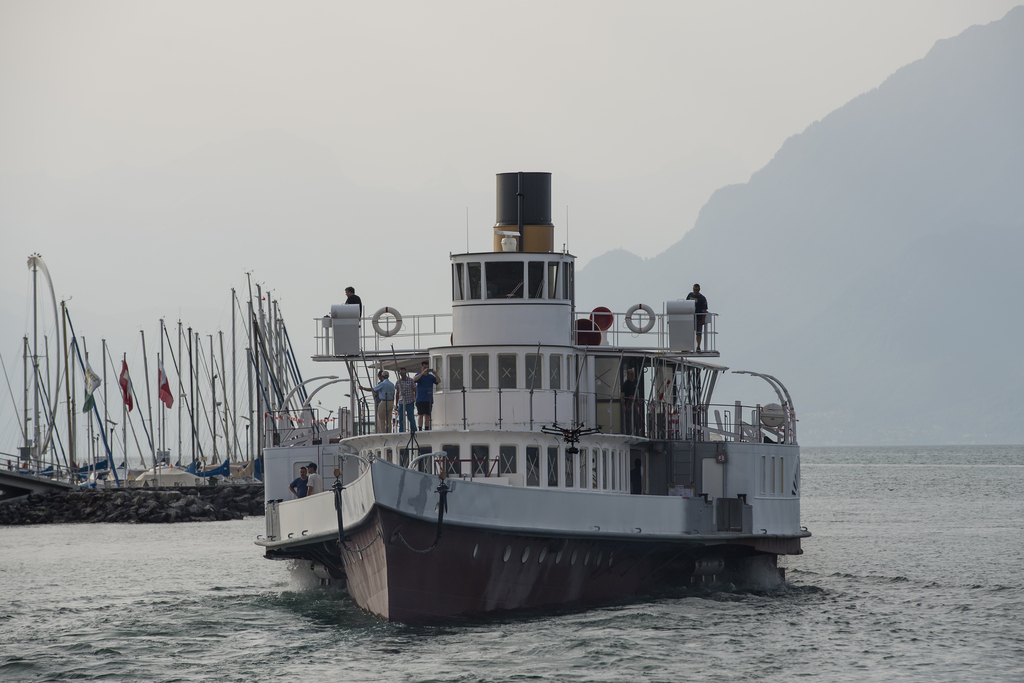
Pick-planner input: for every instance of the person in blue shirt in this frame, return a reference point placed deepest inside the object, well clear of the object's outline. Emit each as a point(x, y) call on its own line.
point(301, 485)
point(425, 382)
point(384, 394)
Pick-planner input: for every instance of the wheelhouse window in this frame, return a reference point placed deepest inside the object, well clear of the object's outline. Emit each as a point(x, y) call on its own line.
point(533, 370)
point(458, 283)
point(507, 460)
point(507, 370)
point(567, 283)
point(555, 371)
point(536, 272)
point(455, 381)
point(481, 368)
point(481, 454)
point(553, 466)
point(504, 279)
point(553, 282)
point(533, 466)
point(452, 463)
point(474, 279)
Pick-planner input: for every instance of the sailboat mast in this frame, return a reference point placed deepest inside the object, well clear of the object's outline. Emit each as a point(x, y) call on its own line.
point(106, 415)
point(224, 397)
point(234, 375)
point(149, 405)
point(35, 367)
point(213, 400)
point(181, 392)
point(27, 451)
point(192, 393)
point(67, 381)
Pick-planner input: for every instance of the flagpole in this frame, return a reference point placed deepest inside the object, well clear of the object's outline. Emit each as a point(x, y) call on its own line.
point(95, 409)
point(149, 407)
point(124, 416)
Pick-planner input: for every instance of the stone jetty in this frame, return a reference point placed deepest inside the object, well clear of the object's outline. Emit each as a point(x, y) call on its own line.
point(137, 506)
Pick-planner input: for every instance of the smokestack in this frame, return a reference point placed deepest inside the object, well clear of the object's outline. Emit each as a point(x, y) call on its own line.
point(524, 206)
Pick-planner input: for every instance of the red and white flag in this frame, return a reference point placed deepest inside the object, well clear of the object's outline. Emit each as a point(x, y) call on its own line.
point(126, 385)
point(165, 388)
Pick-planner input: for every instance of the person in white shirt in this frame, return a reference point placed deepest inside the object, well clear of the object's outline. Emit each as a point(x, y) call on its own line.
point(316, 482)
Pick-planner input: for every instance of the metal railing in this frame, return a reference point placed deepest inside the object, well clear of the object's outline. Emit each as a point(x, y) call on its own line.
point(415, 332)
point(616, 331)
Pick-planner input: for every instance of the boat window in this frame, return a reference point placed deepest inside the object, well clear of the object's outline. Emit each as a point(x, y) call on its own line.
point(506, 370)
point(614, 469)
point(569, 471)
point(604, 469)
point(593, 468)
point(437, 368)
point(533, 370)
point(583, 468)
point(533, 466)
point(481, 367)
point(455, 381)
point(426, 464)
point(507, 460)
point(553, 281)
point(536, 273)
point(567, 283)
point(379, 454)
point(552, 465)
point(451, 459)
point(481, 454)
point(389, 456)
point(404, 457)
point(764, 473)
point(555, 371)
point(458, 284)
point(504, 279)
point(772, 490)
point(781, 489)
point(473, 276)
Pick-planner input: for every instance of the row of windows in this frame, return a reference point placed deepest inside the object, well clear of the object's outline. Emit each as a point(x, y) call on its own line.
point(512, 280)
point(479, 371)
point(772, 482)
point(593, 468)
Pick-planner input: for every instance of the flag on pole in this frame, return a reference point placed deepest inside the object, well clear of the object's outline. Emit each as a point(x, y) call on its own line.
point(92, 383)
point(126, 384)
point(165, 394)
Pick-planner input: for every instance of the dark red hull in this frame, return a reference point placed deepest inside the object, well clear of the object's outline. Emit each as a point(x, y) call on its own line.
point(473, 571)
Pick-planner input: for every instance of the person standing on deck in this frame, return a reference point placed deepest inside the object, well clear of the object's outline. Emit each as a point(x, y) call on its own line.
point(425, 382)
point(300, 486)
point(700, 312)
point(631, 405)
point(384, 395)
point(353, 299)
point(405, 398)
point(314, 482)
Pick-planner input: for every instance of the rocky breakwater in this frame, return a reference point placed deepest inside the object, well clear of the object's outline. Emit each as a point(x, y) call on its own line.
point(137, 506)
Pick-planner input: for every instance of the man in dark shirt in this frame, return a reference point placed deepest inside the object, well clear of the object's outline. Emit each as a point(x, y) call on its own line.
point(636, 479)
point(353, 299)
point(301, 485)
point(700, 312)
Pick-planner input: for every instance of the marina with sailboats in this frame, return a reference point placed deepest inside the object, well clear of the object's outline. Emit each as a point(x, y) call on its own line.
point(175, 412)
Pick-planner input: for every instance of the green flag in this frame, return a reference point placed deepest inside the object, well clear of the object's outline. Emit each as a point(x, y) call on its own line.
point(92, 382)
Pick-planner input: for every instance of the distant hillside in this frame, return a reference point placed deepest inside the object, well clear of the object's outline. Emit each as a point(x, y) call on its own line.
point(872, 264)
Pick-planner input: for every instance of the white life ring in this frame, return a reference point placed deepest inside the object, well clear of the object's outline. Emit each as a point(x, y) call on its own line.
point(376, 322)
point(640, 329)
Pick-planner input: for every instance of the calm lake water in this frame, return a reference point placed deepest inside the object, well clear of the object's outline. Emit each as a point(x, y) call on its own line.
point(914, 573)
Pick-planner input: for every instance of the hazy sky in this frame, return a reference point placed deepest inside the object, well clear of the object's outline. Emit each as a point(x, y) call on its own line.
point(401, 91)
point(408, 96)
